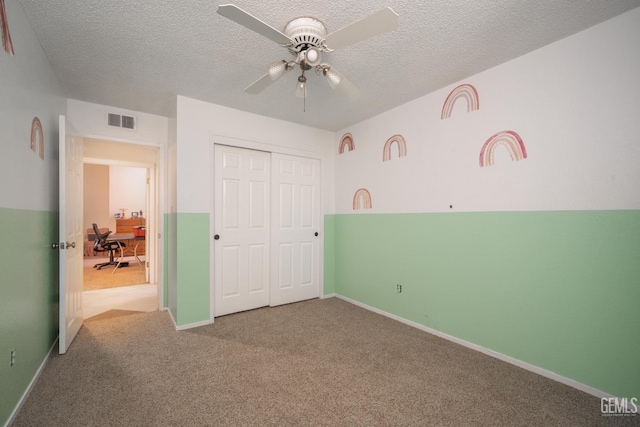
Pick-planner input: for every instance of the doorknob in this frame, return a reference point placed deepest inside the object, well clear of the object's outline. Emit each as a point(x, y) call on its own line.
point(55, 245)
point(316, 234)
point(216, 237)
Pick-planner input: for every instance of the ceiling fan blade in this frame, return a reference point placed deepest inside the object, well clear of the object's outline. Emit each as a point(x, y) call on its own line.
point(338, 81)
point(349, 89)
point(379, 22)
point(259, 85)
point(251, 22)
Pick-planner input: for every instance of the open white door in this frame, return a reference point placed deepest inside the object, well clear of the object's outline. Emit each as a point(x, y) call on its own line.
point(295, 227)
point(71, 236)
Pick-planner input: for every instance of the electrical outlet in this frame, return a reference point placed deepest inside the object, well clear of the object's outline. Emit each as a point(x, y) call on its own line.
point(13, 356)
point(399, 288)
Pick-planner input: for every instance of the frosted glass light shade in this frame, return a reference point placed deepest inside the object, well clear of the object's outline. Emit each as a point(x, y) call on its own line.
point(333, 77)
point(301, 89)
point(277, 69)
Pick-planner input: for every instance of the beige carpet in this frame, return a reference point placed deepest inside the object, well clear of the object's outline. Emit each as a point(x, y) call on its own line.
point(319, 362)
point(95, 279)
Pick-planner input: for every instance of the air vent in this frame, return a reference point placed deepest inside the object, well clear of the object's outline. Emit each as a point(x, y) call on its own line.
point(114, 120)
point(124, 122)
point(128, 122)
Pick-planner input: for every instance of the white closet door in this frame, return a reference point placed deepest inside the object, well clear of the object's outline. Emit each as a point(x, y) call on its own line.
point(241, 228)
point(295, 207)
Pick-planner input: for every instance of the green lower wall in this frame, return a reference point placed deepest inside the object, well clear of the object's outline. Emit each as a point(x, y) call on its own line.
point(192, 268)
point(28, 299)
point(559, 290)
point(329, 276)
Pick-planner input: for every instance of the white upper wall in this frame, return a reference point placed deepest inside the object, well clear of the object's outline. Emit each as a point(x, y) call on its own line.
point(28, 89)
point(574, 103)
point(90, 120)
point(199, 123)
point(96, 197)
point(127, 190)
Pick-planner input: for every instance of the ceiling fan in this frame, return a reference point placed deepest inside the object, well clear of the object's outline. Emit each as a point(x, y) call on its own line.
point(306, 39)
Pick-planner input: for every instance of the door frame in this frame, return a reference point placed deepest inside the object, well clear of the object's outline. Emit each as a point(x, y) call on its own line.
point(216, 139)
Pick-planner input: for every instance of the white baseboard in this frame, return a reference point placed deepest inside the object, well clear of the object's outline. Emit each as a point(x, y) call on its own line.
point(524, 365)
point(30, 387)
point(175, 325)
point(333, 295)
point(187, 326)
point(193, 325)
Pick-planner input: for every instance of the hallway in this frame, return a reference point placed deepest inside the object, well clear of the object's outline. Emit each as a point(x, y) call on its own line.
point(134, 298)
point(140, 297)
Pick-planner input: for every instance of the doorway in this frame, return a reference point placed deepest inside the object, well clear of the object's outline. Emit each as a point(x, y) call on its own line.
point(120, 196)
point(266, 222)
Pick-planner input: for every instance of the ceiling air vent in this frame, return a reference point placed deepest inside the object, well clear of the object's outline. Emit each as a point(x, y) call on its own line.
point(125, 122)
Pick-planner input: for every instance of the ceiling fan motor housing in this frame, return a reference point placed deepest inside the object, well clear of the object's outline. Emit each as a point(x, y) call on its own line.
point(306, 32)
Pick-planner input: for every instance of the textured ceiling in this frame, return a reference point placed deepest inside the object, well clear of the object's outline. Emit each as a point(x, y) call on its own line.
point(139, 54)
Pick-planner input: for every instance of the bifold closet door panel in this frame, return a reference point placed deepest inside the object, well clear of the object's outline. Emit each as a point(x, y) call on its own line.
point(295, 217)
point(241, 228)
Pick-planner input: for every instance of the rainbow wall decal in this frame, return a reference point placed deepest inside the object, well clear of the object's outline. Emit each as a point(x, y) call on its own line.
point(402, 147)
point(508, 138)
point(362, 199)
point(466, 91)
point(37, 137)
point(6, 37)
point(346, 142)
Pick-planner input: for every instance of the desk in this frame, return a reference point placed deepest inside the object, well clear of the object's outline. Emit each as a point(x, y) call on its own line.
point(120, 236)
point(128, 237)
point(126, 225)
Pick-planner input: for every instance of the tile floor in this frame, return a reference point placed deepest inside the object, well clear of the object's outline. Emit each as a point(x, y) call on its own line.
point(136, 298)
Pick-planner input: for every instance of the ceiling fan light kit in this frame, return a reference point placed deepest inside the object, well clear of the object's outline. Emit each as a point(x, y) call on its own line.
point(312, 56)
point(277, 69)
point(301, 87)
point(332, 76)
point(306, 39)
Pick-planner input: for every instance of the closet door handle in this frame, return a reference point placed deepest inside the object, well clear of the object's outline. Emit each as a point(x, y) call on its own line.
point(216, 237)
point(316, 234)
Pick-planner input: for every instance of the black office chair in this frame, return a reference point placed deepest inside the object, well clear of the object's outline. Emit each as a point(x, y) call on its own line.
point(101, 244)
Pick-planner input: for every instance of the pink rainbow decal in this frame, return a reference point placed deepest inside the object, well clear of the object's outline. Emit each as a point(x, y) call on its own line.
point(6, 37)
point(402, 147)
point(346, 142)
point(508, 138)
point(362, 200)
point(466, 91)
point(37, 137)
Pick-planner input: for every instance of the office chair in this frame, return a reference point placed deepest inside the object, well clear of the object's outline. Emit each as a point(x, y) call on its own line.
point(91, 237)
point(101, 244)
